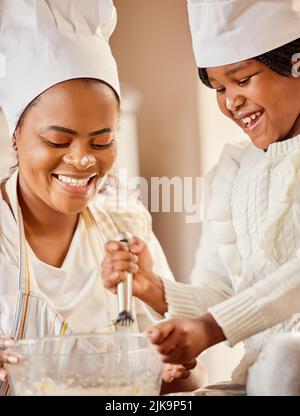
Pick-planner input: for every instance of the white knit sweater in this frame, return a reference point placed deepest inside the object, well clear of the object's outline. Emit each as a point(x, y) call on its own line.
point(248, 264)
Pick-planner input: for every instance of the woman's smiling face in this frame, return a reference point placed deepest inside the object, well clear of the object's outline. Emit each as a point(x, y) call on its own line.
point(265, 104)
point(66, 143)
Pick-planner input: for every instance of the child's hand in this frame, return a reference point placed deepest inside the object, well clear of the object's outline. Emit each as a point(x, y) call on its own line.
point(181, 340)
point(134, 258)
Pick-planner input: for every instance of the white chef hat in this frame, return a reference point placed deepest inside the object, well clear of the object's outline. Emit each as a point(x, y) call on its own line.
point(44, 42)
point(229, 31)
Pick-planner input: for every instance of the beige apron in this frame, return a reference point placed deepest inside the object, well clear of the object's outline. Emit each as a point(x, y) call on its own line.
point(35, 315)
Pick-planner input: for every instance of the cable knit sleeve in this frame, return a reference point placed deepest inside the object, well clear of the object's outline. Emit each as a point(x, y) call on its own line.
point(210, 279)
point(263, 305)
point(275, 296)
point(266, 302)
point(211, 283)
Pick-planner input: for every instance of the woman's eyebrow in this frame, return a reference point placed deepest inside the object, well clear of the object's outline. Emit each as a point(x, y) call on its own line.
point(75, 133)
point(101, 131)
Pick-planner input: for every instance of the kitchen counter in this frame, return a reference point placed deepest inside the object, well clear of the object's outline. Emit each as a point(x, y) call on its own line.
point(218, 389)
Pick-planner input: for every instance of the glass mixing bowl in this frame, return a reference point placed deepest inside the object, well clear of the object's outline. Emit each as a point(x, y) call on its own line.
point(86, 365)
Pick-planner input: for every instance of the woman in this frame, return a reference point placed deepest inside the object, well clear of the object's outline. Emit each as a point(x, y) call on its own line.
point(247, 273)
point(63, 117)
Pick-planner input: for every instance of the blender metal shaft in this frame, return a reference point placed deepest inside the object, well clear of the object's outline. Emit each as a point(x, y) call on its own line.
point(124, 292)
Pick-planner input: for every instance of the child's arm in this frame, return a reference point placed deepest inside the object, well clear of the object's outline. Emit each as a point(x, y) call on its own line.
point(161, 294)
point(261, 306)
point(268, 302)
point(210, 282)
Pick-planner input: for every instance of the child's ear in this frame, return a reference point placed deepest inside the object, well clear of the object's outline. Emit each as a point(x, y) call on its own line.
point(14, 143)
point(15, 138)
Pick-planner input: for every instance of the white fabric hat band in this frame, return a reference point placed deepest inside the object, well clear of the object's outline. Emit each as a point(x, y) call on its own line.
point(229, 31)
point(57, 40)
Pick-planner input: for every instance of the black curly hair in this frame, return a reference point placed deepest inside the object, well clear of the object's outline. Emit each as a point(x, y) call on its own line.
point(278, 60)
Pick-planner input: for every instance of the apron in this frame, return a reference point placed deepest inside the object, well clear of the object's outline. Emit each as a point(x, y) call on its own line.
point(35, 315)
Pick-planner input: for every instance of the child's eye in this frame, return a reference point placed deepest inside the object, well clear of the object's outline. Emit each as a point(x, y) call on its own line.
point(221, 89)
point(244, 81)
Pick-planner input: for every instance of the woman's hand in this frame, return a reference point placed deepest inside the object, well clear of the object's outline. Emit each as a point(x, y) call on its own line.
point(172, 372)
point(6, 356)
point(134, 258)
point(181, 378)
point(181, 340)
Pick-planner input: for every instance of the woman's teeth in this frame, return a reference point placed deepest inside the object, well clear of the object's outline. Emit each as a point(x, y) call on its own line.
point(250, 119)
point(77, 183)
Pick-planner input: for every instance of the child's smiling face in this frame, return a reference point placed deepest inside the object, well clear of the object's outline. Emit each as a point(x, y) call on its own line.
point(264, 104)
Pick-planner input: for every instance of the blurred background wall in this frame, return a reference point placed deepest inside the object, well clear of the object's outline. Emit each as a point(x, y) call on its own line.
point(151, 45)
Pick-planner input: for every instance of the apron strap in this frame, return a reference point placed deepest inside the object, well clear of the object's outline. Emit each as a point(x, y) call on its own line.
point(30, 300)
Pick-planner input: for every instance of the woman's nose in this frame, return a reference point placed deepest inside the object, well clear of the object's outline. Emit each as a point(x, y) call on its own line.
point(80, 160)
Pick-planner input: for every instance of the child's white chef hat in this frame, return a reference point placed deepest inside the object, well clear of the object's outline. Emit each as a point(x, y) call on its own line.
point(44, 42)
point(229, 31)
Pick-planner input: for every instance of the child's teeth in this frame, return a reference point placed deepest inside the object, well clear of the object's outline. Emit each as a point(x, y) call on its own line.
point(247, 120)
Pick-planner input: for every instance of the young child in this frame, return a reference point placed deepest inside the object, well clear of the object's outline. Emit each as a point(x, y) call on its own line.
point(247, 277)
